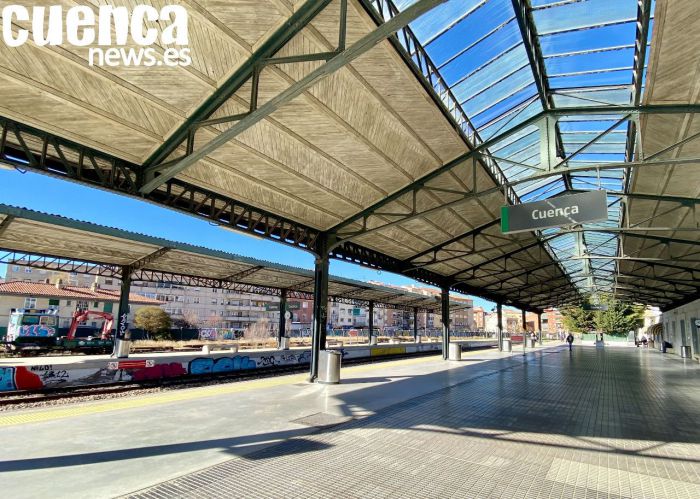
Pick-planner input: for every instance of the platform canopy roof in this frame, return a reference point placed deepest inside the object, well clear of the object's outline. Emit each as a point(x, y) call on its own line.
point(309, 123)
point(53, 242)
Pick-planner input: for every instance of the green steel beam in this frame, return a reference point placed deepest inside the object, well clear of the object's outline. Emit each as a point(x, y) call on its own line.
point(504, 256)
point(5, 223)
point(651, 197)
point(678, 282)
point(343, 58)
point(277, 41)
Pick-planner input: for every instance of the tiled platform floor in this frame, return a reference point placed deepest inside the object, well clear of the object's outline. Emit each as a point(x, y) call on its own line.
point(594, 423)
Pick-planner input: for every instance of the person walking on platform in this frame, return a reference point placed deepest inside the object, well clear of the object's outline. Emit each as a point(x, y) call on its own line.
point(570, 340)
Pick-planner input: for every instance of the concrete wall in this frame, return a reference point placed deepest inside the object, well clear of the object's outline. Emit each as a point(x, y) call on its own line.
point(680, 328)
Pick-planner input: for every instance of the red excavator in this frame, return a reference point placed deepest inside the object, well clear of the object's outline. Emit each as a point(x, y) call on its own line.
point(80, 316)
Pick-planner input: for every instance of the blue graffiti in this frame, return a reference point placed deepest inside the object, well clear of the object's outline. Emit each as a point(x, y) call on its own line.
point(7, 379)
point(221, 365)
point(304, 357)
point(37, 330)
point(201, 366)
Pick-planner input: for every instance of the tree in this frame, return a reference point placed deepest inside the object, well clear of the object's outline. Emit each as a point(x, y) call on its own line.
point(619, 318)
point(155, 321)
point(189, 320)
point(579, 319)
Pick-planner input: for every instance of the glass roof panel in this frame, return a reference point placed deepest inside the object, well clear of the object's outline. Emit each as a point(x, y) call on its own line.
point(614, 77)
point(462, 64)
point(585, 14)
point(591, 39)
point(479, 80)
point(440, 18)
point(573, 64)
point(583, 137)
point(515, 117)
point(617, 97)
point(499, 99)
point(516, 142)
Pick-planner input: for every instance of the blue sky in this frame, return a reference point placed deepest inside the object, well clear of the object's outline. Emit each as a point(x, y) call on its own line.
point(50, 195)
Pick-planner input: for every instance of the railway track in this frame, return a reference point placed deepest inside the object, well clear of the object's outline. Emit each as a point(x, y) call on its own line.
point(58, 396)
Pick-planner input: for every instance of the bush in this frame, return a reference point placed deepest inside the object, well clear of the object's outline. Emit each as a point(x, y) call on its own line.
point(155, 321)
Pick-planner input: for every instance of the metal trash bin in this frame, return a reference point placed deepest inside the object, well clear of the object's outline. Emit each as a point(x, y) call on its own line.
point(506, 345)
point(665, 346)
point(284, 343)
point(121, 348)
point(455, 351)
point(685, 351)
point(329, 367)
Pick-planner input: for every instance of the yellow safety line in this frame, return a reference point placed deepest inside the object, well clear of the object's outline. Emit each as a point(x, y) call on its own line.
point(13, 419)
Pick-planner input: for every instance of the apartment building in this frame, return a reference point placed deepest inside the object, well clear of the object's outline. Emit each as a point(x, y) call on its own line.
point(479, 318)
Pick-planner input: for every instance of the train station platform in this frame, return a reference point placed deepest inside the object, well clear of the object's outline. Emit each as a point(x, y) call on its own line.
point(595, 422)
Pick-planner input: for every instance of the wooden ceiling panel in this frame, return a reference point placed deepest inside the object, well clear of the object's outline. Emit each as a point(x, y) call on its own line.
point(40, 238)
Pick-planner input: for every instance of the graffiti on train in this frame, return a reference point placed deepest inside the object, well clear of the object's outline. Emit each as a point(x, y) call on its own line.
point(18, 378)
point(36, 330)
point(207, 365)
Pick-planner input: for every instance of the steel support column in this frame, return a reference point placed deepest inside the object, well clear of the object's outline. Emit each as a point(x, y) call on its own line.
point(370, 321)
point(282, 329)
point(524, 319)
point(539, 327)
point(499, 311)
point(123, 336)
point(445, 309)
point(318, 338)
point(415, 324)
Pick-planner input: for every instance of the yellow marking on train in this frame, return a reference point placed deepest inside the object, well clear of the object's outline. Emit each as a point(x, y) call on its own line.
point(136, 402)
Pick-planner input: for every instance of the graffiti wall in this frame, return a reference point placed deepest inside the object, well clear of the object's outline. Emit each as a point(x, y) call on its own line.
point(217, 334)
point(92, 371)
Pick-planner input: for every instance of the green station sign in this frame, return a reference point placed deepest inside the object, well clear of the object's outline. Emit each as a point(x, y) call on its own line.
point(584, 207)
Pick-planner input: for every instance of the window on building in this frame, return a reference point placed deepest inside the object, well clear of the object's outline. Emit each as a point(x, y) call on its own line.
point(304, 304)
point(15, 268)
point(82, 304)
point(68, 303)
point(30, 302)
point(109, 282)
point(96, 304)
point(27, 270)
point(195, 299)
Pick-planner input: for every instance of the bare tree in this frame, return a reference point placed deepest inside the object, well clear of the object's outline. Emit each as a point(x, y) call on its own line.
point(259, 330)
point(212, 321)
point(191, 317)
